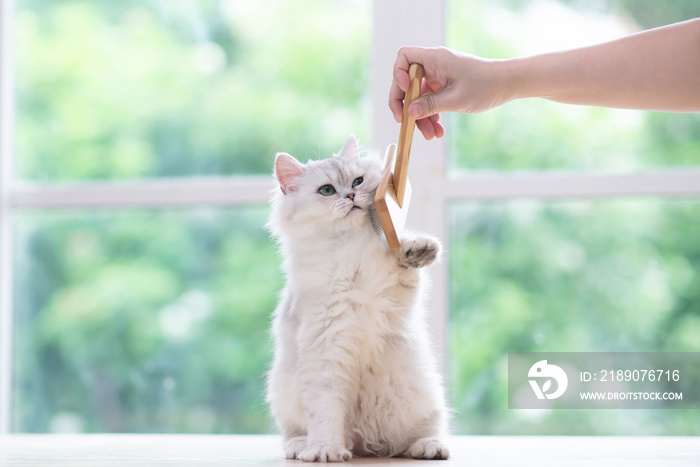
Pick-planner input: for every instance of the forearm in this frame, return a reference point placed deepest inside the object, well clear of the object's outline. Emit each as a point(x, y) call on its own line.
point(658, 69)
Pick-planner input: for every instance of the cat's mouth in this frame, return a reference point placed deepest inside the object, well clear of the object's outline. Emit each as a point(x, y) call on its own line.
point(352, 209)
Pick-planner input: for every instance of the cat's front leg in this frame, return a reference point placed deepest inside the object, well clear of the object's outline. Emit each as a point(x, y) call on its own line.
point(325, 452)
point(418, 252)
point(326, 419)
point(327, 366)
point(294, 446)
point(299, 448)
point(428, 448)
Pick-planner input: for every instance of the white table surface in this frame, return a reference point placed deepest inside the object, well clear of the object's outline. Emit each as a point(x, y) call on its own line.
point(230, 450)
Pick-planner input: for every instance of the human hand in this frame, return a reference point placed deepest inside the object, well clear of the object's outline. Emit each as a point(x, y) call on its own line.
point(453, 82)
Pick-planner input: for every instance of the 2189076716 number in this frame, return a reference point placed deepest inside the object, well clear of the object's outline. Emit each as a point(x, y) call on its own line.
point(640, 375)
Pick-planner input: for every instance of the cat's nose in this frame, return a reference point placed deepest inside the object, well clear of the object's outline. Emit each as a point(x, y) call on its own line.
point(351, 196)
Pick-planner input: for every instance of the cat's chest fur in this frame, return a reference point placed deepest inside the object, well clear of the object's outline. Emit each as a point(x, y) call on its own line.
point(355, 278)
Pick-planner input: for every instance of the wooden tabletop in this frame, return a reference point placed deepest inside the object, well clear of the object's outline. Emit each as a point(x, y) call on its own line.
point(230, 450)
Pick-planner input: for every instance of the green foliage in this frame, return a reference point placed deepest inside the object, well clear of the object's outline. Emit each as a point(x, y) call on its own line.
point(603, 276)
point(585, 276)
point(534, 135)
point(136, 89)
point(144, 321)
point(157, 321)
point(568, 277)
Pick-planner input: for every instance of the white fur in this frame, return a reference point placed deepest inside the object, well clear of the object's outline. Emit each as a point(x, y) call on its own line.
point(352, 372)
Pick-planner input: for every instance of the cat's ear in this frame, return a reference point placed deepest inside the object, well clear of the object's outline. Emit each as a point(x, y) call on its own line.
point(287, 171)
point(351, 150)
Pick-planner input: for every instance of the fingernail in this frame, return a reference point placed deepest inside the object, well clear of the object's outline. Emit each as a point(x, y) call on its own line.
point(415, 110)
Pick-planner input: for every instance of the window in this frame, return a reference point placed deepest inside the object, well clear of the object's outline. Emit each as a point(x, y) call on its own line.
point(136, 139)
point(614, 275)
point(143, 320)
point(543, 135)
point(134, 200)
point(151, 88)
point(566, 243)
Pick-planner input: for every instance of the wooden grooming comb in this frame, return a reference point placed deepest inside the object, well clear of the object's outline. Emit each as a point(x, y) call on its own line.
point(394, 191)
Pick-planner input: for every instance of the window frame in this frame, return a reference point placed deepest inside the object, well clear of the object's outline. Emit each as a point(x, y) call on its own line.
point(394, 23)
point(6, 171)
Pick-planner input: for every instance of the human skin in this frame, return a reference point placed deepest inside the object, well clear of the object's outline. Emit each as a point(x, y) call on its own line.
point(657, 69)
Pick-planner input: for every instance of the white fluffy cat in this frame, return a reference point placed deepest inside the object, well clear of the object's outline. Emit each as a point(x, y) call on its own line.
point(353, 372)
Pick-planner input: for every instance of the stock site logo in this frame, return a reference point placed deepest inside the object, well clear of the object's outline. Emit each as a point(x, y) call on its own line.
point(548, 373)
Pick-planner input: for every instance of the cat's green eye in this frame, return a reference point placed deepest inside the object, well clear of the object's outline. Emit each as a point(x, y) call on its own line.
point(326, 190)
point(357, 181)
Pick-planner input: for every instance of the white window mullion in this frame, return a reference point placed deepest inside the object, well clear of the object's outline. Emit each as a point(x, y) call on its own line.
point(145, 193)
point(6, 176)
point(662, 182)
point(427, 214)
point(399, 23)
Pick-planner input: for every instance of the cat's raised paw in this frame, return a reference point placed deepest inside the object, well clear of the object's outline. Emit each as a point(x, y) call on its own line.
point(428, 448)
point(325, 453)
point(418, 252)
point(294, 446)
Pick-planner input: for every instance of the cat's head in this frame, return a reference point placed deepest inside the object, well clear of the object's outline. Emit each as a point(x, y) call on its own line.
point(327, 196)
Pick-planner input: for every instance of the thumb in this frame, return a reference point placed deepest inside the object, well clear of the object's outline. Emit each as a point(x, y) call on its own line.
point(431, 103)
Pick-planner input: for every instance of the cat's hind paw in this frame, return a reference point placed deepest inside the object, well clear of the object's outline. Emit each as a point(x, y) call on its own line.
point(428, 448)
point(418, 252)
point(294, 446)
point(325, 453)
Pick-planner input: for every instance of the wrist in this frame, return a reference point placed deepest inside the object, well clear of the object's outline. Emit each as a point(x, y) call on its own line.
point(528, 78)
point(509, 79)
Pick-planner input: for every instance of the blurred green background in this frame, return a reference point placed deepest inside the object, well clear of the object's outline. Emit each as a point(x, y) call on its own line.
point(156, 320)
point(150, 88)
point(145, 321)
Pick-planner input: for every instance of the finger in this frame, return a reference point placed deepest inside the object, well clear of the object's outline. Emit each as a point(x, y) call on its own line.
point(396, 97)
point(439, 129)
point(396, 107)
point(432, 103)
point(437, 125)
point(425, 88)
point(400, 75)
point(426, 127)
point(400, 83)
point(399, 86)
point(408, 55)
point(404, 58)
point(431, 127)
